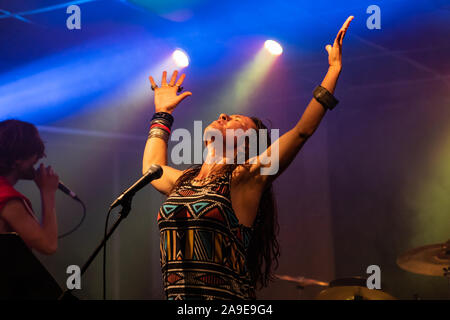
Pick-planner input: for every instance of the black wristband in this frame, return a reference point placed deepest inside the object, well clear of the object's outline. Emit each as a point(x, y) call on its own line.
point(164, 115)
point(325, 98)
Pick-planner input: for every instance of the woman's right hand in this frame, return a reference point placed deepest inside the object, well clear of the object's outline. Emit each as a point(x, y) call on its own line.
point(166, 98)
point(46, 179)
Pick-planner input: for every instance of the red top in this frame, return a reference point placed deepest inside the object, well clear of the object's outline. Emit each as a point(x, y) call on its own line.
point(7, 193)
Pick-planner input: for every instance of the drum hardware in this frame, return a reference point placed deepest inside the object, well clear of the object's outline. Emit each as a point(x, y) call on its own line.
point(429, 260)
point(353, 288)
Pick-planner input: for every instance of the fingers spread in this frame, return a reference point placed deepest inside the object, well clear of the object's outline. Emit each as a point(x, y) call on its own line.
point(164, 76)
point(152, 81)
point(180, 81)
point(174, 77)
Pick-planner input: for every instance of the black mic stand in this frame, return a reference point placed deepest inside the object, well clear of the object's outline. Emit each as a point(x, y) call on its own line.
point(126, 208)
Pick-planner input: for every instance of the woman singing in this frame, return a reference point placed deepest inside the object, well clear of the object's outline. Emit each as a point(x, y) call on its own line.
point(218, 224)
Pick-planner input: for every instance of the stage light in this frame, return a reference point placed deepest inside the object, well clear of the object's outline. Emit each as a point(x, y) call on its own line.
point(273, 47)
point(181, 59)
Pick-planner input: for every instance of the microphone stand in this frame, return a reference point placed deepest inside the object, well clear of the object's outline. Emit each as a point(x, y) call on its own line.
point(126, 208)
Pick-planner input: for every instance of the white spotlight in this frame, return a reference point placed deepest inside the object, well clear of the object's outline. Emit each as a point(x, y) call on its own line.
point(273, 47)
point(181, 59)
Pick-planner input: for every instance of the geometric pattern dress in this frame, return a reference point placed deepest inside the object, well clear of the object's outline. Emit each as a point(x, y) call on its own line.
point(202, 245)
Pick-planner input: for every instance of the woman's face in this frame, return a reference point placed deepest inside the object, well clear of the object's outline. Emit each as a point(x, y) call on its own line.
point(239, 124)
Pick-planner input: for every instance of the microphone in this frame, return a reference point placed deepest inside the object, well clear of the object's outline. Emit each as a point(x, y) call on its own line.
point(155, 172)
point(67, 191)
point(63, 188)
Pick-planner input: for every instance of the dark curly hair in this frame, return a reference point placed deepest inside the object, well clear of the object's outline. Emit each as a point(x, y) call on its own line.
point(19, 140)
point(263, 250)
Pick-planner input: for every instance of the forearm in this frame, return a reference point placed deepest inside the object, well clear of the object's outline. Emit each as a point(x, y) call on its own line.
point(314, 112)
point(331, 78)
point(155, 152)
point(49, 222)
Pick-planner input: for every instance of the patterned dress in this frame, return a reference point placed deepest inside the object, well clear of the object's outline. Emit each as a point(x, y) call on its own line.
point(202, 245)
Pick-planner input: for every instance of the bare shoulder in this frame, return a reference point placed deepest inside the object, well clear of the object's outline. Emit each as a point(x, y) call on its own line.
point(6, 214)
point(14, 208)
point(12, 204)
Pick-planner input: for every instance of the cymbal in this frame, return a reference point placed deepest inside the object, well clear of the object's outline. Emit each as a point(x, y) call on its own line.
point(353, 293)
point(432, 260)
point(353, 288)
point(302, 281)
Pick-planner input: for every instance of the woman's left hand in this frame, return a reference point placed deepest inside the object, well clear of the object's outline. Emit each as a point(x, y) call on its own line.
point(335, 51)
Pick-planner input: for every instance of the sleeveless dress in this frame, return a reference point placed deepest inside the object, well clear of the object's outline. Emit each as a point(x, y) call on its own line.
point(202, 245)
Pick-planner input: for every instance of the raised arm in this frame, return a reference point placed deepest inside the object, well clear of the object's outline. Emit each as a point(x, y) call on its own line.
point(155, 152)
point(290, 143)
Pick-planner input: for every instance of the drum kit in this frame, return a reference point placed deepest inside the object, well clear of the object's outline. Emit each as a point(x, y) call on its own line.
point(431, 260)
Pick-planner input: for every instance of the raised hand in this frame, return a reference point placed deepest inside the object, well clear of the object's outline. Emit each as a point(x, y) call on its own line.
point(335, 51)
point(166, 98)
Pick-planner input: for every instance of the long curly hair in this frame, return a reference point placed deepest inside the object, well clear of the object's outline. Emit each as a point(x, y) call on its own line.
point(19, 140)
point(263, 250)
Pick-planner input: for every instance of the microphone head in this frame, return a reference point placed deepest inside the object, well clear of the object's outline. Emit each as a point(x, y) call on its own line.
point(155, 170)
